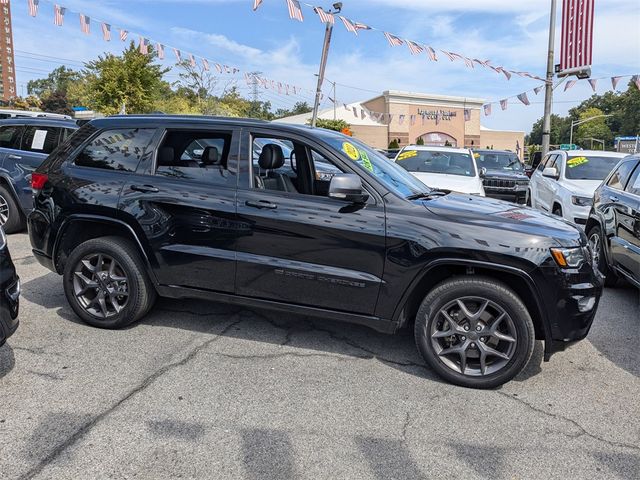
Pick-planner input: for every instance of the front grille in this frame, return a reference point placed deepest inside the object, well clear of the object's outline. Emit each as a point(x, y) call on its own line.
point(499, 183)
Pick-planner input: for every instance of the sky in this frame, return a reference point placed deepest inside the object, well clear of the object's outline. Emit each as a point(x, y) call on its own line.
point(511, 33)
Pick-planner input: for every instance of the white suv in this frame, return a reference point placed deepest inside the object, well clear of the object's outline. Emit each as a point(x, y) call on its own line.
point(565, 181)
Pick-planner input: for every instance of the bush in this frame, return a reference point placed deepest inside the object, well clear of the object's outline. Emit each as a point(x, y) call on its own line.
point(337, 125)
point(420, 141)
point(394, 144)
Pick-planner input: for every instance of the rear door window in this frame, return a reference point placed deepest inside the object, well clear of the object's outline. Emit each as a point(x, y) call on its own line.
point(633, 186)
point(621, 176)
point(120, 149)
point(10, 136)
point(40, 139)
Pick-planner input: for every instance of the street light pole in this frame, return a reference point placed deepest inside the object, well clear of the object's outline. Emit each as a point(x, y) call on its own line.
point(548, 97)
point(575, 123)
point(323, 64)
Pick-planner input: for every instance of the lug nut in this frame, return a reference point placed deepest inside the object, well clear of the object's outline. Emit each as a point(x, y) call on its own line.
point(478, 328)
point(463, 338)
point(482, 339)
point(466, 328)
point(473, 345)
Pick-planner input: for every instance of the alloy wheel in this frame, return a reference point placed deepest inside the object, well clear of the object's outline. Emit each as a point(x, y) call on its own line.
point(4, 211)
point(594, 243)
point(474, 336)
point(100, 285)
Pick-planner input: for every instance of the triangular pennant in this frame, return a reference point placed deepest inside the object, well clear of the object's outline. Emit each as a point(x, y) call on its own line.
point(593, 82)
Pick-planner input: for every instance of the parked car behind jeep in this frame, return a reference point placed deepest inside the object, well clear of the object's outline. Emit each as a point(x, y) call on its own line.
point(123, 215)
point(24, 144)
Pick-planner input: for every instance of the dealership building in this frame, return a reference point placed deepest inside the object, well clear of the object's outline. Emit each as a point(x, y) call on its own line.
point(405, 116)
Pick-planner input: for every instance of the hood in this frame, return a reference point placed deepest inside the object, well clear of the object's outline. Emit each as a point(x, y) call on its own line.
point(455, 183)
point(501, 216)
point(583, 188)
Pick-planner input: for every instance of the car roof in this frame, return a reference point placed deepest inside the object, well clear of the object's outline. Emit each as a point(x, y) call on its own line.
point(588, 153)
point(429, 148)
point(39, 122)
point(484, 150)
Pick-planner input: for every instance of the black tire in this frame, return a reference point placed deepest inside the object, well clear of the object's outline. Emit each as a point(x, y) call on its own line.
point(141, 292)
point(610, 278)
point(498, 294)
point(10, 208)
point(528, 200)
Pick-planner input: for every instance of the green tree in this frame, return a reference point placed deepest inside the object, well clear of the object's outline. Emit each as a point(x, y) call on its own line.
point(57, 102)
point(58, 80)
point(596, 128)
point(337, 125)
point(298, 109)
point(131, 79)
point(629, 111)
point(560, 127)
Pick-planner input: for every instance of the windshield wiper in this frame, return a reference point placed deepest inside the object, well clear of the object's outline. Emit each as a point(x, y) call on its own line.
point(431, 193)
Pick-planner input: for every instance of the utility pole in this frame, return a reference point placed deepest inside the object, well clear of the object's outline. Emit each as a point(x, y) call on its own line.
point(323, 64)
point(335, 115)
point(548, 97)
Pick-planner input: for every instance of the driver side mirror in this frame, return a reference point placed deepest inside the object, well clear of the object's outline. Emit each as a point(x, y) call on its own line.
point(483, 172)
point(551, 172)
point(347, 187)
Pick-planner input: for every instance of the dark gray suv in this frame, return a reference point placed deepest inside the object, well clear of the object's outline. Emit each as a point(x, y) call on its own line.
point(24, 144)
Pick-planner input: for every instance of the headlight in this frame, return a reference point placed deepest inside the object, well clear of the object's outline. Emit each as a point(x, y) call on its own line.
point(3, 239)
point(582, 201)
point(568, 257)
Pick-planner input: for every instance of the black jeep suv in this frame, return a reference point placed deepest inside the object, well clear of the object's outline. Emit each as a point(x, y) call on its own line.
point(503, 175)
point(137, 206)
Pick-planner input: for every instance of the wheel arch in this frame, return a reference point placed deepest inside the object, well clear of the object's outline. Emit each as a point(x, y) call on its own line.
point(79, 228)
point(5, 181)
point(442, 269)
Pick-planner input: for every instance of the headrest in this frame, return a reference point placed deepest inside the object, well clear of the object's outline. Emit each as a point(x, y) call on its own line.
point(271, 157)
point(210, 156)
point(166, 156)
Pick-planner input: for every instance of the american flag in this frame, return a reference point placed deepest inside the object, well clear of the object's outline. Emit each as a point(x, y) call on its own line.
point(58, 15)
point(467, 114)
point(537, 89)
point(449, 55)
point(106, 32)
point(361, 26)
point(160, 48)
point(594, 83)
point(33, 7)
point(401, 119)
point(524, 99)
point(325, 17)
point(505, 72)
point(349, 25)
point(219, 68)
point(355, 111)
point(614, 81)
point(178, 55)
point(192, 60)
point(393, 40)
point(256, 4)
point(504, 103)
point(123, 35)
point(577, 34)
point(295, 12)
point(468, 62)
point(414, 48)
point(205, 64)
point(144, 46)
point(569, 84)
point(487, 109)
point(432, 54)
point(85, 24)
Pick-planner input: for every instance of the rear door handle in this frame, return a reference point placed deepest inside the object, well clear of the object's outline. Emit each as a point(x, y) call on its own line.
point(15, 157)
point(261, 204)
point(615, 199)
point(145, 188)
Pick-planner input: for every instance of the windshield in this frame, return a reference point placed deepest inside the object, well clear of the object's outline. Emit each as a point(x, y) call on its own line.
point(425, 161)
point(590, 168)
point(501, 161)
point(386, 171)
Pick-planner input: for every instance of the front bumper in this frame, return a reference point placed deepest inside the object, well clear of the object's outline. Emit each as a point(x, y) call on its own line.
point(510, 196)
point(564, 293)
point(9, 297)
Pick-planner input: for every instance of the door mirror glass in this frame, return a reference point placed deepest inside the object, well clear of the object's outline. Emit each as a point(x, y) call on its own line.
point(551, 172)
point(347, 187)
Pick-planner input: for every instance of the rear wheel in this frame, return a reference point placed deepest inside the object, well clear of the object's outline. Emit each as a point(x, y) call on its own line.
point(596, 241)
point(11, 218)
point(474, 332)
point(106, 284)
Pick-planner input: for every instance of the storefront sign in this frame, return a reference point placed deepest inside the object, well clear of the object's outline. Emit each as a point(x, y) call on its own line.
point(437, 114)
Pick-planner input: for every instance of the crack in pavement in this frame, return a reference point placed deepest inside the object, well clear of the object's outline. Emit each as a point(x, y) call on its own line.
point(147, 382)
point(405, 426)
point(582, 431)
point(38, 351)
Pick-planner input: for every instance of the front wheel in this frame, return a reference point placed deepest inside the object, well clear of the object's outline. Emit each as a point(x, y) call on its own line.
point(474, 332)
point(106, 283)
point(596, 241)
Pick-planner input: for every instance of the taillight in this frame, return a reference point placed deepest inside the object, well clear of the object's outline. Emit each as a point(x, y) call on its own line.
point(38, 180)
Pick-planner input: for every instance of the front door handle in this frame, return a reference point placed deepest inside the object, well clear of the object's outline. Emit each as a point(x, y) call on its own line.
point(15, 157)
point(145, 188)
point(615, 199)
point(261, 204)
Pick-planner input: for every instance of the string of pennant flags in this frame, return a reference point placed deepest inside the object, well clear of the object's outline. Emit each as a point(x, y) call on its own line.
point(145, 45)
point(415, 48)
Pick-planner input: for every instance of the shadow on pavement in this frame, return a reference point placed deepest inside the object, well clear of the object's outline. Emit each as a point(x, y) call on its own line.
point(615, 330)
point(7, 360)
point(282, 329)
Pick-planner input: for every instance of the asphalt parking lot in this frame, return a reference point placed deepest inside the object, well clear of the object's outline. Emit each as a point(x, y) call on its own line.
point(202, 390)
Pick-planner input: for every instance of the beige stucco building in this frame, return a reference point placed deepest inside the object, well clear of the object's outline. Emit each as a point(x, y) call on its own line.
point(407, 116)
